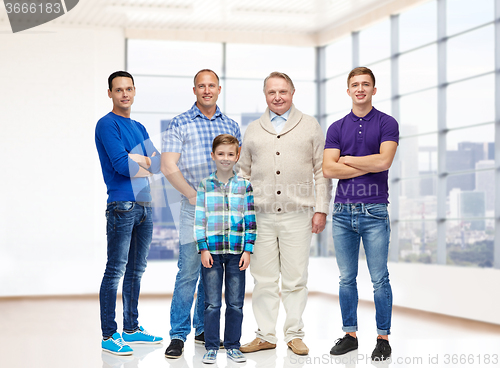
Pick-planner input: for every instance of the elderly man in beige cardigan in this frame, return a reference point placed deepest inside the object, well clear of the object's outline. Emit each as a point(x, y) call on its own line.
point(282, 154)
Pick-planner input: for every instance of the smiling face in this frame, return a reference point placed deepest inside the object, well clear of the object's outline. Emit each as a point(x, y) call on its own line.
point(207, 91)
point(279, 95)
point(122, 94)
point(361, 90)
point(225, 157)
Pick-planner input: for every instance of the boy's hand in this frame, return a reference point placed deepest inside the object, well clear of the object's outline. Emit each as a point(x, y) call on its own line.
point(244, 261)
point(206, 259)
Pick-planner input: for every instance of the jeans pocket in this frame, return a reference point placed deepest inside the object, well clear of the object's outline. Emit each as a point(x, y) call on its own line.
point(124, 206)
point(378, 211)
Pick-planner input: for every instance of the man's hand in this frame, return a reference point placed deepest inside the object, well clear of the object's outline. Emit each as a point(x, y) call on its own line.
point(244, 261)
point(192, 199)
point(318, 222)
point(206, 259)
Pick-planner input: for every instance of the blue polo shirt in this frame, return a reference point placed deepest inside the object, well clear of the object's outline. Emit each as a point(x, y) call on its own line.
point(355, 136)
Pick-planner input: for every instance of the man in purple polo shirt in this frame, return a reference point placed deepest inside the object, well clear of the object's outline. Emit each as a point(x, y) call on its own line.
point(359, 150)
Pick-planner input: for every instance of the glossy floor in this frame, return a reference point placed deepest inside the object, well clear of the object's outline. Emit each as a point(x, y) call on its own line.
point(64, 332)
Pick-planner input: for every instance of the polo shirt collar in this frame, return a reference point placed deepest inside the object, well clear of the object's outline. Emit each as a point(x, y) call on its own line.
point(368, 116)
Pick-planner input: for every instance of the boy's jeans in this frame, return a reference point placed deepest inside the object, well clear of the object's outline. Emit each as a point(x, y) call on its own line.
point(129, 232)
point(225, 267)
point(369, 222)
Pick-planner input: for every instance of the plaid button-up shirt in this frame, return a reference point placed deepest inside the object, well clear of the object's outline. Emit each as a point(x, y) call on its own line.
point(225, 216)
point(191, 134)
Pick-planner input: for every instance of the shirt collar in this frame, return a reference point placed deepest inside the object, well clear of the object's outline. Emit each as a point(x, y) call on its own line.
point(285, 116)
point(368, 116)
point(195, 112)
point(216, 179)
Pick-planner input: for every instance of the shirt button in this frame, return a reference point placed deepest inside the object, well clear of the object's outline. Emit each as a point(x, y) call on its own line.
point(278, 153)
point(360, 132)
point(279, 209)
point(278, 192)
point(278, 172)
point(360, 125)
point(278, 136)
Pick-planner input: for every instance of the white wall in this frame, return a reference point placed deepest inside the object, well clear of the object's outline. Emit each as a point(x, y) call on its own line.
point(466, 292)
point(53, 84)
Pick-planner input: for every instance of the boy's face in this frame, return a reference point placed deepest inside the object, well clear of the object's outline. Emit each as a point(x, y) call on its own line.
point(361, 89)
point(225, 157)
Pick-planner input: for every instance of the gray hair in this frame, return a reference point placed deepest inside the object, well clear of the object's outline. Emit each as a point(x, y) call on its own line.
point(279, 75)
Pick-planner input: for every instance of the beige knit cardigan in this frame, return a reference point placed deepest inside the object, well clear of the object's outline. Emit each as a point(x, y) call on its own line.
point(285, 169)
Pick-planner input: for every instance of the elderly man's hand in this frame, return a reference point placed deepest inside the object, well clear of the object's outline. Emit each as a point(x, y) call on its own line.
point(318, 222)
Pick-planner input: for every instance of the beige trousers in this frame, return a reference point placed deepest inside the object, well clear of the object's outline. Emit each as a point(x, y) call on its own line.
point(282, 248)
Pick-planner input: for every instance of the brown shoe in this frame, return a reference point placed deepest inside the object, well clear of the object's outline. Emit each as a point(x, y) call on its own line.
point(256, 345)
point(298, 347)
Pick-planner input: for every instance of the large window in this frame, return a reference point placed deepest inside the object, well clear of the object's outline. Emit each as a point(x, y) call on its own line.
point(435, 70)
point(164, 71)
point(441, 89)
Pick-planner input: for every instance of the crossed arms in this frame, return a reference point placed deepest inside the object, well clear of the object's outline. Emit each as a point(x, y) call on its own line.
point(348, 167)
point(144, 164)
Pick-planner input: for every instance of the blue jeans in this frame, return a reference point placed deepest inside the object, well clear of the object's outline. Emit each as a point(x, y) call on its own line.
point(225, 267)
point(369, 222)
point(129, 231)
point(189, 265)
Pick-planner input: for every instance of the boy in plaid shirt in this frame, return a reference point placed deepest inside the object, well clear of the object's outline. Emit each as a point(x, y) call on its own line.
point(225, 232)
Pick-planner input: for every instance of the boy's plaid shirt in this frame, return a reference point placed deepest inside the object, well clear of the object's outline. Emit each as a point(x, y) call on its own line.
point(225, 216)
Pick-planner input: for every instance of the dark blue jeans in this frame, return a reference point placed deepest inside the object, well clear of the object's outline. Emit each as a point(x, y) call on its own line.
point(225, 267)
point(129, 232)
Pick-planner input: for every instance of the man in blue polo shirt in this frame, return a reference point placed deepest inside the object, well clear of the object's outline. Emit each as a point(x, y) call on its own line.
point(359, 150)
point(186, 161)
point(127, 158)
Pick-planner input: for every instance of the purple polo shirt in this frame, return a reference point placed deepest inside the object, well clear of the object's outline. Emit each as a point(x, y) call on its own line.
point(355, 136)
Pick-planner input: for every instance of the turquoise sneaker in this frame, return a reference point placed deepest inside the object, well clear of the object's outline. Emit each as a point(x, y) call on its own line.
point(116, 345)
point(235, 355)
point(141, 336)
point(210, 357)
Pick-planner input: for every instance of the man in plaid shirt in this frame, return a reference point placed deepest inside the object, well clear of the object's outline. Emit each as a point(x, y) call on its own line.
point(185, 161)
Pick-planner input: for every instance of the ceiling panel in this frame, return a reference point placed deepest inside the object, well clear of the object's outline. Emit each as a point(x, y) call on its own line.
point(302, 18)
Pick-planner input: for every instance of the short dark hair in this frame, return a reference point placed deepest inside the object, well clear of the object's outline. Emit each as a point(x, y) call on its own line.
point(280, 75)
point(119, 73)
point(360, 70)
point(203, 71)
point(225, 139)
